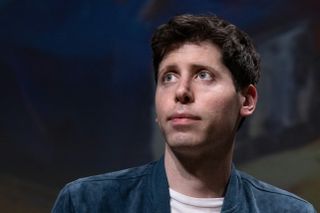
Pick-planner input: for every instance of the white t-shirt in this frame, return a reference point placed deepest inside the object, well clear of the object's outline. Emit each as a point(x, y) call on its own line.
point(181, 203)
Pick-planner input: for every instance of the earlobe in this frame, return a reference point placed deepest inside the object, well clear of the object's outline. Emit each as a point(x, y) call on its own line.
point(249, 100)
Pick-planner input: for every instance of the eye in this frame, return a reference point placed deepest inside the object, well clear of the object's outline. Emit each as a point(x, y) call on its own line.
point(169, 77)
point(204, 75)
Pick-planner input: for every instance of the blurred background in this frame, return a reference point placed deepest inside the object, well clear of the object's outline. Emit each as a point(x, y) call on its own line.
point(76, 85)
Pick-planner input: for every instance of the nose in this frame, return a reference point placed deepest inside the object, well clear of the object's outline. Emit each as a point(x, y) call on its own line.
point(184, 93)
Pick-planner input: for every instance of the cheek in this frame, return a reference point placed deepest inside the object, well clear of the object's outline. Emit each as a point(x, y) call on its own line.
point(223, 107)
point(160, 104)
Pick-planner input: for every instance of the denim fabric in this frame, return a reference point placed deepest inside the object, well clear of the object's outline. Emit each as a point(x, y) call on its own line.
point(145, 189)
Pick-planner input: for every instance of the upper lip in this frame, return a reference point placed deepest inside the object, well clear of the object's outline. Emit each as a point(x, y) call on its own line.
point(183, 115)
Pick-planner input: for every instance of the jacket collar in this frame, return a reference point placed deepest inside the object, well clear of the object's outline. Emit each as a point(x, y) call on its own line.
point(232, 195)
point(160, 190)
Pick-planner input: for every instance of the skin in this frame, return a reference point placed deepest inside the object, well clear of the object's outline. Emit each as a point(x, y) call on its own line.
point(198, 111)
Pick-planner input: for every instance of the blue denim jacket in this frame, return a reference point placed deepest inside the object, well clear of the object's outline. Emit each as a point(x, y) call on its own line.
point(145, 189)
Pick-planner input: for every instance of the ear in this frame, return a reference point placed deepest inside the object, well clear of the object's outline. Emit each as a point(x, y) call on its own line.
point(249, 98)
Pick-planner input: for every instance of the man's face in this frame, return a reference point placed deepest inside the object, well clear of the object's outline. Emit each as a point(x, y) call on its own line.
point(197, 105)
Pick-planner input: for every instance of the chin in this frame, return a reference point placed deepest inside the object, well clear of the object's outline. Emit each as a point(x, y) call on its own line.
point(183, 139)
point(185, 145)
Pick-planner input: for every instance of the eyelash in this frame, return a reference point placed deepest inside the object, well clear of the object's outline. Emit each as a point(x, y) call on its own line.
point(204, 72)
point(172, 74)
point(165, 75)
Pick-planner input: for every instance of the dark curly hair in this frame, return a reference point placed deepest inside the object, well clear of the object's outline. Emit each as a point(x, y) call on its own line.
point(238, 51)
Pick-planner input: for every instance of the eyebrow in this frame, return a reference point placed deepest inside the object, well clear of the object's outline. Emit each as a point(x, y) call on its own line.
point(169, 67)
point(201, 66)
point(193, 66)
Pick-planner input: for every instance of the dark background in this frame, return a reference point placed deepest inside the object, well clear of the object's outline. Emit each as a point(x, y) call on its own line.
point(77, 90)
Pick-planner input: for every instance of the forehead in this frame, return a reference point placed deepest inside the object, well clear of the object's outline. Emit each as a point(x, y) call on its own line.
point(202, 53)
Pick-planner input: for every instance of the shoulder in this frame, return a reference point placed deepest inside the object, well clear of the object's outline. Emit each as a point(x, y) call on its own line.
point(111, 179)
point(272, 196)
point(130, 173)
point(104, 191)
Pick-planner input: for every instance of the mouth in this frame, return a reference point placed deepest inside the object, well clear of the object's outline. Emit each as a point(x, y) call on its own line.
point(183, 119)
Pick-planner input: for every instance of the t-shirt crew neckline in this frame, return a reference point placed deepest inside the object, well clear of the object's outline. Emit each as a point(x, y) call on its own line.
point(196, 202)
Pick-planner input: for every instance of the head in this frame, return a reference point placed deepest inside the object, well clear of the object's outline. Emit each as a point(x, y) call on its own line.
point(206, 70)
point(239, 54)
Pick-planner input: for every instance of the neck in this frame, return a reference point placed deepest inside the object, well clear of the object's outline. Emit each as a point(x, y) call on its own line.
point(203, 176)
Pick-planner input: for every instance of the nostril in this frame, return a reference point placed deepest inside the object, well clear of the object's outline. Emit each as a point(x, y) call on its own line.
point(184, 93)
point(183, 98)
point(186, 99)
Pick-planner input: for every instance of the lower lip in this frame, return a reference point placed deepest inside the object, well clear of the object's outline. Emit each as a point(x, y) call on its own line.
point(183, 121)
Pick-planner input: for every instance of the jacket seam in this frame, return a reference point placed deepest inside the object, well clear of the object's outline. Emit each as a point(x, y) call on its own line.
point(111, 178)
point(271, 191)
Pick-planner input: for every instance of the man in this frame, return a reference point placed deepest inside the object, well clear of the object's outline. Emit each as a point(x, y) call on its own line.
point(206, 72)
